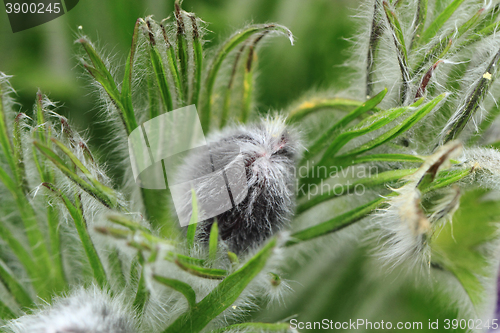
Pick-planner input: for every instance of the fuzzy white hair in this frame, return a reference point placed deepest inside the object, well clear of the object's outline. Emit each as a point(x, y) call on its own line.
point(83, 311)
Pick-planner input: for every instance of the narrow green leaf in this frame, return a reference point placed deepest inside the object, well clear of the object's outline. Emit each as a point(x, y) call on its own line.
point(383, 178)
point(398, 130)
point(18, 152)
point(400, 44)
point(480, 35)
point(161, 77)
point(14, 287)
point(172, 63)
point(436, 25)
point(5, 139)
point(485, 124)
point(55, 244)
point(368, 125)
point(59, 163)
point(375, 33)
point(21, 253)
point(443, 46)
point(222, 296)
point(5, 312)
point(182, 46)
point(229, 89)
point(327, 136)
point(337, 223)
point(207, 273)
point(233, 258)
point(103, 76)
point(76, 212)
point(213, 242)
point(473, 101)
point(97, 184)
point(387, 158)
point(198, 61)
point(213, 69)
point(153, 107)
point(171, 256)
point(248, 78)
point(193, 222)
point(310, 106)
point(449, 178)
point(420, 20)
point(179, 286)
point(142, 295)
point(123, 221)
point(126, 92)
point(116, 268)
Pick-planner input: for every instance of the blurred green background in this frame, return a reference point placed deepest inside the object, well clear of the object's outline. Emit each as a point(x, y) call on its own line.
point(44, 57)
point(337, 284)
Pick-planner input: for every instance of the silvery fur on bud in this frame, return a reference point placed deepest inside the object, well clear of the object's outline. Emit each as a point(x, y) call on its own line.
point(84, 311)
point(269, 151)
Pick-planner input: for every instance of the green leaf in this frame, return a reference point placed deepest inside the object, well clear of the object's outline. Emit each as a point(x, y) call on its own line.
point(400, 44)
point(233, 258)
point(172, 63)
point(207, 273)
point(213, 69)
point(337, 223)
point(436, 25)
point(18, 152)
point(161, 77)
point(376, 31)
point(76, 212)
point(213, 242)
point(171, 256)
point(5, 312)
point(21, 253)
point(102, 75)
point(116, 268)
point(142, 295)
point(111, 195)
point(193, 222)
point(229, 89)
point(179, 286)
point(4, 137)
point(126, 93)
point(327, 136)
point(55, 244)
point(473, 101)
point(125, 222)
point(61, 165)
point(397, 130)
point(198, 61)
point(312, 105)
point(420, 19)
point(383, 178)
point(442, 47)
point(459, 246)
point(182, 46)
point(14, 287)
point(370, 124)
point(387, 158)
point(222, 296)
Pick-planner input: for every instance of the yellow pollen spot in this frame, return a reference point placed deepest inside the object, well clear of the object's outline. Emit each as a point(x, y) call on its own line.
point(234, 307)
point(487, 76)
point(307, 105)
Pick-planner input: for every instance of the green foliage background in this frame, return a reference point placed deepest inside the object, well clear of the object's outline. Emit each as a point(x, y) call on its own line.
point(335, 285)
